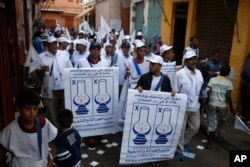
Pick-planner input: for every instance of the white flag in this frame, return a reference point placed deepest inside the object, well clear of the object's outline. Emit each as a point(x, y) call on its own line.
point(33, 60)
point(121, 36)
point(105, 29)
point(67, 34)
point(132, 36)
point(85, 27)
point(98, 35)
point(240, 125)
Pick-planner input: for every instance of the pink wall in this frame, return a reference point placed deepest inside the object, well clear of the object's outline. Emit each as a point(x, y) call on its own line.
point(68, 10)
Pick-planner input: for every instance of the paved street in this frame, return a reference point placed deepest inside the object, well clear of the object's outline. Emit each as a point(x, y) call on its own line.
point(217, 156)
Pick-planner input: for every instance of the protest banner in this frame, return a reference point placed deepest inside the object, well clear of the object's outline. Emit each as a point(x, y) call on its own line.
point(169, 70)
point(152, 127)
point(92, 95)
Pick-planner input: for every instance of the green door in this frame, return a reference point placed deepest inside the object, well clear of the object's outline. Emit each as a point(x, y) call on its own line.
point(154, 18)
point(139, 16)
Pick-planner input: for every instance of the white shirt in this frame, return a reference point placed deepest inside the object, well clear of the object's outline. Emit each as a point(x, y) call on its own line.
point(83, 63)
point(123, 63)
point(106, 59)
point(76, 56)
point(155, 82)
point(59, 62)
point(190, 83)
point(24, 145)
point(134, 77)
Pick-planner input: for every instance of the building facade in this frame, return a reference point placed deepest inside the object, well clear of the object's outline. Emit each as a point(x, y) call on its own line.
point(219, 25)
point(62, 12)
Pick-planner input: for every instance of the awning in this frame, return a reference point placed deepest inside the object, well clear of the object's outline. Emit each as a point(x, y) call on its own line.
point(84, 12)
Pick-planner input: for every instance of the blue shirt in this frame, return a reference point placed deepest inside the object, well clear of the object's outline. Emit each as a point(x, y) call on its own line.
point(212, 66)
point(68, 148)
point(38, 45)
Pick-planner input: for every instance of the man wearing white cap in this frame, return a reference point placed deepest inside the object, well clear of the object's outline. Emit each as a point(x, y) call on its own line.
point(107, 57)
point(189, 81)
point(82, 34)
point(51, 66)
point(154, 80)
point(193, 46)
point(81, 51)
point(169, 66)
point(63, 43)
point(138, 65)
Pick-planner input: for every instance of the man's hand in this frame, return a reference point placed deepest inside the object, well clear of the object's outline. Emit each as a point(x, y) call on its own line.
point(173, 93)
point(140, 89)
point(127, 74)
point(45, 68)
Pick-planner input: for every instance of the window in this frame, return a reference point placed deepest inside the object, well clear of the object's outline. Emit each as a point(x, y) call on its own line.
point(71, 1)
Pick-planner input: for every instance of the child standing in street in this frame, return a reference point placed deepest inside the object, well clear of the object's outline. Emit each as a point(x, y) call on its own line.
point(67, 142)
point(219, 101)
point(27, 137)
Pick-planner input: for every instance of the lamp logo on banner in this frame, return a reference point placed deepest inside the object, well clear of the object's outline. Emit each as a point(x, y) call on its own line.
point(152, 126)
point(92, 95)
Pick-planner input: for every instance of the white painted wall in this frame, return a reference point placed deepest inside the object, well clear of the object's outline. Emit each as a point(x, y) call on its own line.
point(110, 10)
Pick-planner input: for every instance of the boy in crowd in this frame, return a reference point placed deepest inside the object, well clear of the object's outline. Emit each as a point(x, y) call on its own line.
point(27, 137)
point(67, 142)
point(219, 100)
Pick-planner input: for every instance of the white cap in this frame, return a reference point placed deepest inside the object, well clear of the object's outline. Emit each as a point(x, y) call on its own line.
point(139, 33)
point(51, 39)
point(139, 44)
point(164, 48)
point(82, 42)
point(156, 59)
point(83, 32)
point(137, 40)
point(126, 37)
point(108, 44)
point(189, 54)
point(63, 39)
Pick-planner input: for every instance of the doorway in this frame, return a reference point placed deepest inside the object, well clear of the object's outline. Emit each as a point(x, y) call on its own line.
point(180, 24)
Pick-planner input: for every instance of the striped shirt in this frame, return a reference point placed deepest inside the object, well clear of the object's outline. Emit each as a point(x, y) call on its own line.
point(219, 85)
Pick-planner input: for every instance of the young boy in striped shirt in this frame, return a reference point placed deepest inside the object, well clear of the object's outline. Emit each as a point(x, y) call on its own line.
point(219, 102)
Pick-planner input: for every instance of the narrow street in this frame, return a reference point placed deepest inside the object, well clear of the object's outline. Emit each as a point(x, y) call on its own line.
point(217, 156)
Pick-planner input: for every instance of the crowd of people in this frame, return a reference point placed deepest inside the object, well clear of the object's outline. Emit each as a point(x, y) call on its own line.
point(141, 65)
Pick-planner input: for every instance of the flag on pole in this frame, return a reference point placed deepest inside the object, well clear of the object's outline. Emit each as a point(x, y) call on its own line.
point(67, 34)
point(240, 125)
point(105, 29)
point(98, 35)
point(132, 37)
point(33, 60)
point(121, 36)
point(85, 27)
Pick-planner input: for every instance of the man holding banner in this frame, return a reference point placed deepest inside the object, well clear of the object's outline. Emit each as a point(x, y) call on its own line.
point(154, 80)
